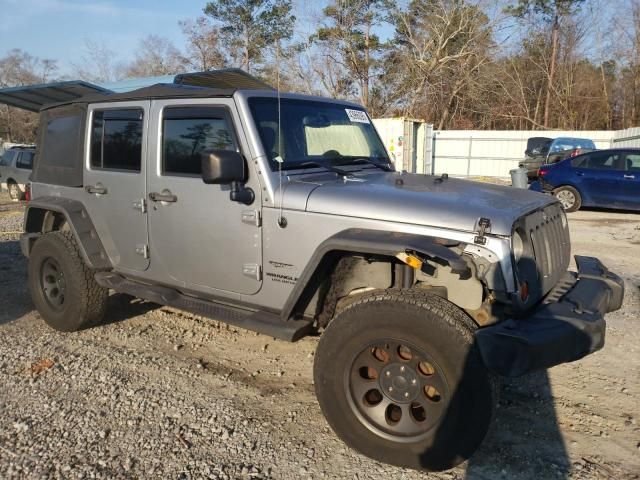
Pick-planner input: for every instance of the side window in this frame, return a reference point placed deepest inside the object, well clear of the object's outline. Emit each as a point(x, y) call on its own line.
point(601, 161)
point(632, 162)
point(116, 139)
point(7, 158)
point(189, 131)
point(25, 160)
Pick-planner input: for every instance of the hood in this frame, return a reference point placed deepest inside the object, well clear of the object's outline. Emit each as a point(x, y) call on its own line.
point(416, 199)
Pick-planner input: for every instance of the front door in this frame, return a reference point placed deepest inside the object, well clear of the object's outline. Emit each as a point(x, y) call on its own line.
point(114, 181)
point(600, 174)
point(631, 181)
point(199, 238)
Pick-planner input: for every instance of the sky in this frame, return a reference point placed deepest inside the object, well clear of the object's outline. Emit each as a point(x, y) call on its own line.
point(59, 29)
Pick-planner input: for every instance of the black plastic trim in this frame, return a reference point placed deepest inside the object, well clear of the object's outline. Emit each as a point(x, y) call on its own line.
point(258, 321)
point(93, 252)
point(564, 328)
point(368, 242)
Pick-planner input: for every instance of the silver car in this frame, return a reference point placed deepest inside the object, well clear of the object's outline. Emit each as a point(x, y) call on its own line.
point(283, 214)
point(15, 168)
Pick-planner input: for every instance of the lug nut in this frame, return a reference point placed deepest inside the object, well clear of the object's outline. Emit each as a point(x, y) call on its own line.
point(402, 369)
point(388, 374)
point(406, 394)
point(391, 389)
point(413, 382)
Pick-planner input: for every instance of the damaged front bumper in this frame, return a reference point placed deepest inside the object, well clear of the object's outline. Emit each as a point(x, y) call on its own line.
point(567, 325)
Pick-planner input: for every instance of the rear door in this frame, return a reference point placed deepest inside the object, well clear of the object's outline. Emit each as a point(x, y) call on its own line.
point(631, 182)
point(114, 179)
point(200, 239)
point(600, 177)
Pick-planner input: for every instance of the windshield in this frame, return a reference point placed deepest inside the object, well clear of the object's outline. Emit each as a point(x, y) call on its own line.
point(562, 144)
point(315, 133)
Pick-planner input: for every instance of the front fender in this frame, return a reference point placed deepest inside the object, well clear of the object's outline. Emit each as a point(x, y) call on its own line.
point(368, 242)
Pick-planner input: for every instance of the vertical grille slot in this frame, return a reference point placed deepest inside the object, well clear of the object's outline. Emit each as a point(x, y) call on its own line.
point(550, 241)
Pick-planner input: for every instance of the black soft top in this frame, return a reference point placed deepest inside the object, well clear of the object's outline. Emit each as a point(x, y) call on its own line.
point(215, 83)
point(153, 92)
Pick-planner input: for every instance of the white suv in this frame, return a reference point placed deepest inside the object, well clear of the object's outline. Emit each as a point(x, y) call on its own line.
point(15, 168)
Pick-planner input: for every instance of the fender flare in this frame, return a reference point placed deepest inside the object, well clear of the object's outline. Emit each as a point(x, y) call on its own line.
point(80, 223)
point(368, 242)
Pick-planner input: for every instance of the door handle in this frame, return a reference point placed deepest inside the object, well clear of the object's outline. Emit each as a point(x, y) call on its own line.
point(163, 197)
point(96, 189)
point(630, 176)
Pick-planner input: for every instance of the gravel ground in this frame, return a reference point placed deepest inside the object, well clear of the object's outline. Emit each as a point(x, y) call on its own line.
point(156, 393)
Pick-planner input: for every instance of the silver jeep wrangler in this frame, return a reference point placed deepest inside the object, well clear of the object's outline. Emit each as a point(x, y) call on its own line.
point(283, 214)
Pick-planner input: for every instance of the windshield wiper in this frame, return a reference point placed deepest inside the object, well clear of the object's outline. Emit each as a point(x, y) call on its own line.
point(330, 168)
point(382, 166)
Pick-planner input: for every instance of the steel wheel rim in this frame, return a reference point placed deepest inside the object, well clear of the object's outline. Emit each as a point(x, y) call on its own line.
point(13, 190)
point(566, 198)
point(53, 283)
point(401, 398)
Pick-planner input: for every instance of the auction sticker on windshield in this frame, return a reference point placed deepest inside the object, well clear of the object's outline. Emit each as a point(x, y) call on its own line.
point(357, 115)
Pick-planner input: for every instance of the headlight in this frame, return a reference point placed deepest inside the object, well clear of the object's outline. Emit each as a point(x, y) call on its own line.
point(517, 243)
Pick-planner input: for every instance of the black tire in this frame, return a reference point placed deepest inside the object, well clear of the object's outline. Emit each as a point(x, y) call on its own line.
point(452, 424)
point(63, 289)
point(14, 191)
point(569, 197)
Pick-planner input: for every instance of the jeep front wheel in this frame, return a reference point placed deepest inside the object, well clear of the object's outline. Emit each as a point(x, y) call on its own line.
point(399, 378)
point(62, 287)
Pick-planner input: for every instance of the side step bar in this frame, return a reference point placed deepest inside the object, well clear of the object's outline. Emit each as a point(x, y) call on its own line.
point(262, 322)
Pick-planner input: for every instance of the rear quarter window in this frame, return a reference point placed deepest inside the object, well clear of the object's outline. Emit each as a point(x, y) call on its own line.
point(7, 158)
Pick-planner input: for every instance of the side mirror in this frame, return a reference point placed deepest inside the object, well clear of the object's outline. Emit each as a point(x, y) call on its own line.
point(227, 167)
point(222, 167)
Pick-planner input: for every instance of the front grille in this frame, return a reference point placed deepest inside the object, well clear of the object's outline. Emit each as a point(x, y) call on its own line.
point(549, 234)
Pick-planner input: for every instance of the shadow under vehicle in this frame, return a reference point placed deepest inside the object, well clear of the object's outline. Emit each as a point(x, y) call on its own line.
point(282, 213)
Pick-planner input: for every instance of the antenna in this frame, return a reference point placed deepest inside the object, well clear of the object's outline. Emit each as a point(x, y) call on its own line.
point(282, 222)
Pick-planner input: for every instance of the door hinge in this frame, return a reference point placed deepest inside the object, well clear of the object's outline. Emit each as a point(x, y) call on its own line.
point(143, 249)
point(141, 205)
point(252, 270)
point(252, 217)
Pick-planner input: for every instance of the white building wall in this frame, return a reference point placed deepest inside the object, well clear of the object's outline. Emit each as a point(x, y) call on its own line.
point(629, 138)
point(494, 152)
point(490, 153)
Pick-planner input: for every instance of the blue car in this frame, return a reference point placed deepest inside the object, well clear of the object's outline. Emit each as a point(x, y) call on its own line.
point(603, 178)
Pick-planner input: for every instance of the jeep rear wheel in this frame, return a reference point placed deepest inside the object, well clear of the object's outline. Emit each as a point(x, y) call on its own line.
point(399, 378)
point(62, 287)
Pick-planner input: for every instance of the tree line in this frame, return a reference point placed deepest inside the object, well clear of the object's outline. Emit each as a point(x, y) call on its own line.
point(459, 64)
